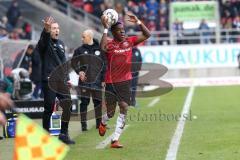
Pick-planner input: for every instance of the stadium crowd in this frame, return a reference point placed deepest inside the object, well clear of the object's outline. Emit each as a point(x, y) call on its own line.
point(152, 12)
point(155, 13)
point(12, 26)
point(230, 18)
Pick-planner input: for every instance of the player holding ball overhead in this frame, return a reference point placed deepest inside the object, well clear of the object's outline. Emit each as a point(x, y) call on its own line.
point(118, 75)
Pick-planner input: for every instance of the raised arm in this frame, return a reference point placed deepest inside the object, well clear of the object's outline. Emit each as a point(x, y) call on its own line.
point(103, 42)
point(145, 32)
point(45, 35)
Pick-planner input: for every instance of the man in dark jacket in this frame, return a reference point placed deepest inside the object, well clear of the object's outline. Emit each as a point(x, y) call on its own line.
point(26, 59)
point(13, 14)
point(36, 74)
point(88, 62)
point(52, 53)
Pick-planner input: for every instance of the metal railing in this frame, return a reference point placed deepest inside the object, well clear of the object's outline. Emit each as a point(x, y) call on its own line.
point(192, 37)
point(79, 14)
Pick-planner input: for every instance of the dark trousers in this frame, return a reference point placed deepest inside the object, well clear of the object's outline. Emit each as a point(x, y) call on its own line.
point(38, 87)
point(84, 95)
point(134, 84)
point(49, 101)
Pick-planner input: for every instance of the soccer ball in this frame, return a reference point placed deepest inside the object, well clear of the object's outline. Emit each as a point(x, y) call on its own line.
point(112, 16)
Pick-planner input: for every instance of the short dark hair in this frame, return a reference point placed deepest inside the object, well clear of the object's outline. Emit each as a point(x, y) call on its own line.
point(113, 26)
point(30, 46)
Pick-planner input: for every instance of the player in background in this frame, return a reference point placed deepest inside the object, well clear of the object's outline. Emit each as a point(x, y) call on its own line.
point(118, 75)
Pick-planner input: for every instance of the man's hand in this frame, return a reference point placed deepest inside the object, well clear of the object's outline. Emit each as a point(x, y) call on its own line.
point(132, 18)
point(82, 76)
point(47, 22)
point(145, 31)
point(104, 20)
point(5, 101)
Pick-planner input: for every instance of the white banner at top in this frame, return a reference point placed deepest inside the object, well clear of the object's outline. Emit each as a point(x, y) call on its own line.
point(192, 56)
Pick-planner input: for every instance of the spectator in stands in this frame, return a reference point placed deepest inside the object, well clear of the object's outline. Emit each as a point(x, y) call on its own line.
point(226, 22)
point(152, 5)
point(163, 24)
point(27, 30)
point(163, 18)
point(13, 14)
point(133, 7)
point(120, 11)
point(227, 6)
point(4, 23)
point(77, 3)
point(236, 27)
point(204, 32)
point(88, 6)
point(7, 31)
point(142, 11)
point(3, 33)
point(152, 40)
point(99, 9)
point(152, 17)
point(178, 30)
point(97, 2)
point(163, 7)
point(109, 3)
point(17, 34)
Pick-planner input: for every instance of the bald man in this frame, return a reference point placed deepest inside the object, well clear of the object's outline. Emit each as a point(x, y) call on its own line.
point(88, 63)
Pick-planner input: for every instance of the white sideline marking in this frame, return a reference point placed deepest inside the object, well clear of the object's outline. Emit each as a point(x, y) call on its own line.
point(107, 141)
point(173, 148)
point(155, 101)
point(204, 81)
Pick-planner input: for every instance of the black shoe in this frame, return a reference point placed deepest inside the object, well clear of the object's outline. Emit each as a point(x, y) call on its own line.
point(65, 139)
point(97, 125)
point(84, 126)
point(84, 129)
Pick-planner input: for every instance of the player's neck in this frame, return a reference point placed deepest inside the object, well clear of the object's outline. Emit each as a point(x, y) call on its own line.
point(119, 40)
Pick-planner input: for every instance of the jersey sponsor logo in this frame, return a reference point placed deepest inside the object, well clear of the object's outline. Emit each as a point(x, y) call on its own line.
point(122, 50)
point(125, 44)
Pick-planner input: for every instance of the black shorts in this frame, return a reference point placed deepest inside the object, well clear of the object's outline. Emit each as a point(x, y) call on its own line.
point(117, 92)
